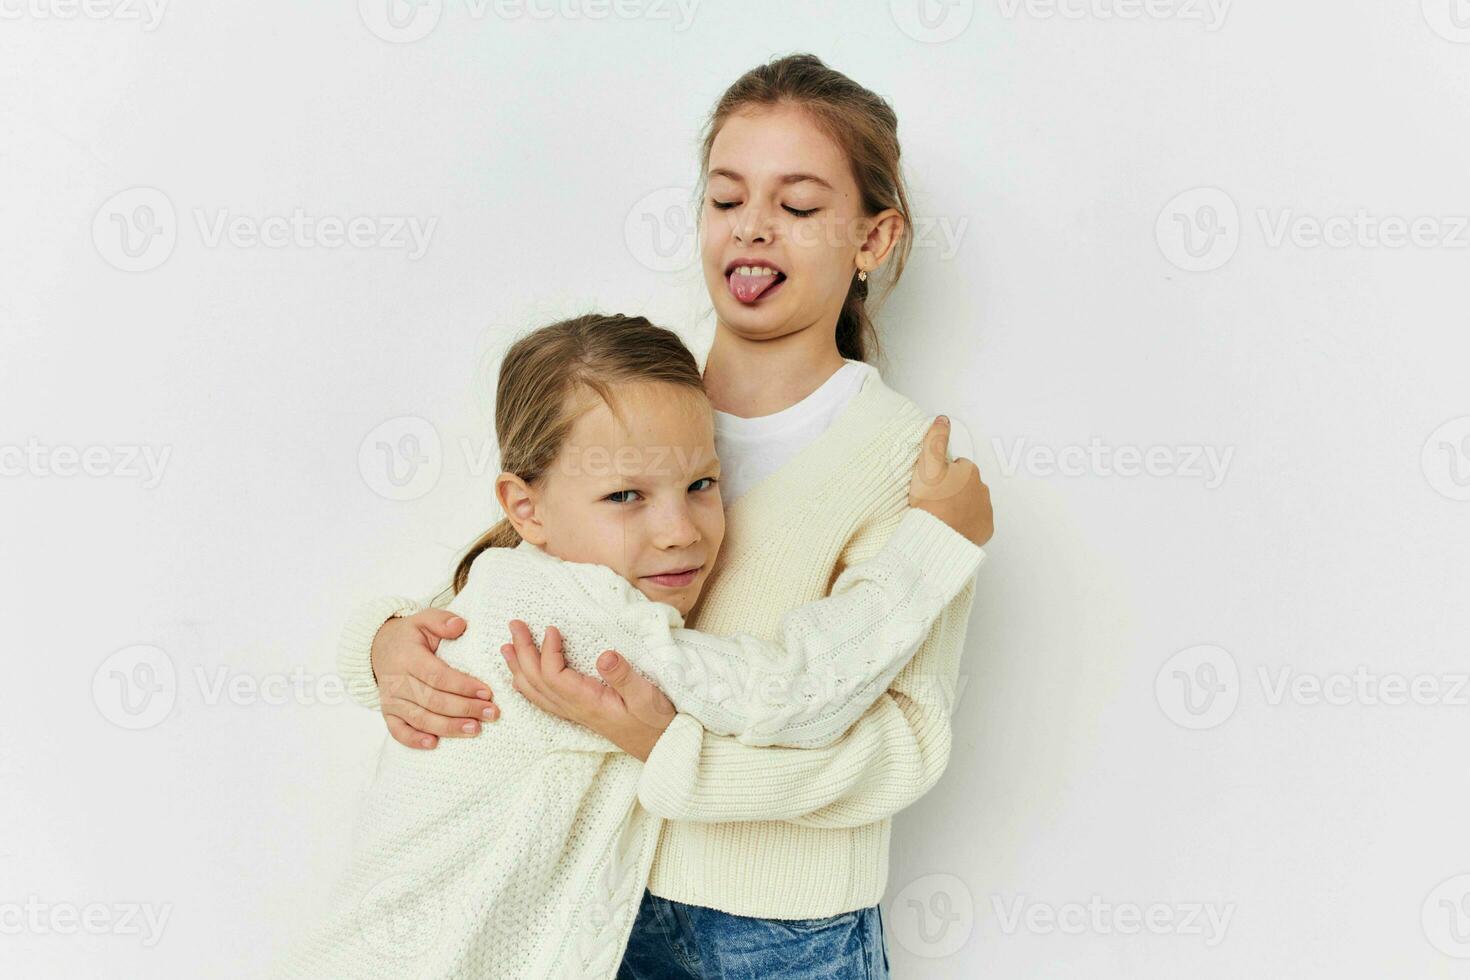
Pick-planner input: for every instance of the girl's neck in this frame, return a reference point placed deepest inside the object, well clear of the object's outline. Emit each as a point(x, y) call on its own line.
point(751, 378)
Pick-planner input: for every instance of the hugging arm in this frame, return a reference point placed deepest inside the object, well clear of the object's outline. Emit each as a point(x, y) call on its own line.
point(833, 658)
point(892, 756)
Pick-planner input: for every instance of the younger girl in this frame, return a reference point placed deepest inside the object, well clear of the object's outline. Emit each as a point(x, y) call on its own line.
point(524, 852)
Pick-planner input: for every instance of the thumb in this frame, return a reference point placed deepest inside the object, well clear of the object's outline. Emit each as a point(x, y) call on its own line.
point(440, 623)
point(614, 669)
point(933, 461)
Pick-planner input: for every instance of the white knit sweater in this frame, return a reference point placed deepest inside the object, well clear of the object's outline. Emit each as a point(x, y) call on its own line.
point(766, 830)
point(523, 852)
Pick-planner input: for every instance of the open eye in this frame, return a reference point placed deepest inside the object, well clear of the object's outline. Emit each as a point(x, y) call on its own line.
point(613, 497)
point(707, 479)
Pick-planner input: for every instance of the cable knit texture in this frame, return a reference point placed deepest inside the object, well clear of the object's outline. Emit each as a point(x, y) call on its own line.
point(524, 852)
point(771, 831)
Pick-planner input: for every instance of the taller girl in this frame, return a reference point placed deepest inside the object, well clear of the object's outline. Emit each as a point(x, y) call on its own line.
point(773, 859)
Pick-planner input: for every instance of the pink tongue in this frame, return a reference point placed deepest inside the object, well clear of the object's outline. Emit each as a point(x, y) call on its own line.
point(747, 288)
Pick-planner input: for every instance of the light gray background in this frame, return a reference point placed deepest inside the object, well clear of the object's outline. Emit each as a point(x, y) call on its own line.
point(1070, 164)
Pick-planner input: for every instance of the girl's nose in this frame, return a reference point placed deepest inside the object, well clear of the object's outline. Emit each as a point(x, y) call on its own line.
point(675, 529)
point(753, 224)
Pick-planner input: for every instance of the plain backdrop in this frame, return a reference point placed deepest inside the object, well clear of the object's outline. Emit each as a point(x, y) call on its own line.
point(1212, 717)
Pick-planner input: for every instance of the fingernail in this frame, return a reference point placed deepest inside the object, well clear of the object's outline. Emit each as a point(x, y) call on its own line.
point(469, 727)
point(607, 660)
point(426, 742)
point(944, 419)
point(483, 695)
point(489, 713)
point(454, 621)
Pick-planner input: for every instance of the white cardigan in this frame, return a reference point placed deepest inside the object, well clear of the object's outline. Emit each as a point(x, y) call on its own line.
point(523, 851)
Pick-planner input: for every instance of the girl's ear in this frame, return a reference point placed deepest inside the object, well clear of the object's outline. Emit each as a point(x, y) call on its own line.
point(886, 230)
point(519, 503)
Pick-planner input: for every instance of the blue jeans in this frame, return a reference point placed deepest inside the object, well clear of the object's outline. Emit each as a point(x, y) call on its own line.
point(674, 941)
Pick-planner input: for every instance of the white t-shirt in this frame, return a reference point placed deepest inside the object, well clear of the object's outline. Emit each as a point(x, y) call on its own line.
point(752, 449)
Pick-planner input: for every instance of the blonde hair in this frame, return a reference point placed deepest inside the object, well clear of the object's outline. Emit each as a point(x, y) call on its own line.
point(540, 377)
point(865, 126)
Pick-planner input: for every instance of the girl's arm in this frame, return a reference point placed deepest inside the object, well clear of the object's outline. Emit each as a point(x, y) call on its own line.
point(893, 755)
point(388, 660)
point(832, 657)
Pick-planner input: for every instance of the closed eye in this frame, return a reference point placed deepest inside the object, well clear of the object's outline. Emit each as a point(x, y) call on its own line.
point(798, 212)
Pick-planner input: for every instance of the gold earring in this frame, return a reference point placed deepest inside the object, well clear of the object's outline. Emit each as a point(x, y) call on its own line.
point(862, 276)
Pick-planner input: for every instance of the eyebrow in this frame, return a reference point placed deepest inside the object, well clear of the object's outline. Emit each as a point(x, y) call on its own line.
point(785, 179)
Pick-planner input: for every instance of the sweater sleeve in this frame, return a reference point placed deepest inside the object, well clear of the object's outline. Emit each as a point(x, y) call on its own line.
point(892, 756)
point(355, 646)
point(833, 657)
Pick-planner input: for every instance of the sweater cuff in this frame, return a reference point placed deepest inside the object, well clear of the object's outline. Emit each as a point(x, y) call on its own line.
point(668, 773)
point(945, 558)
point(355, 649)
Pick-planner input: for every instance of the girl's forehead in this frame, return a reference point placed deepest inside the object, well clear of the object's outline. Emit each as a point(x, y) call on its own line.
point(647, 424)
point(772, 139)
